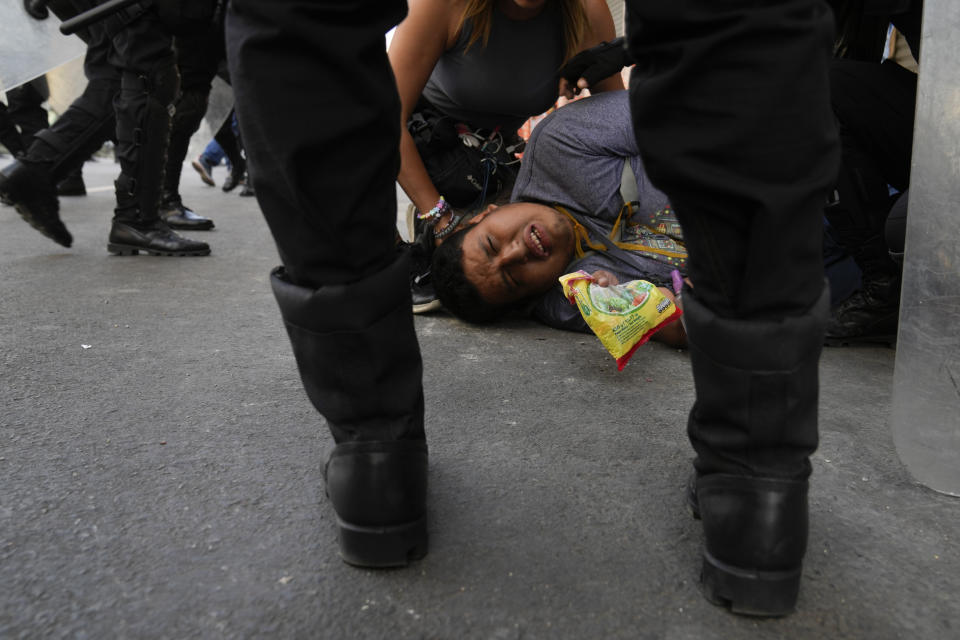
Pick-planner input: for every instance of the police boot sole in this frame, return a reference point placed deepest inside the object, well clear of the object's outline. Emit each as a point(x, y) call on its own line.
point(132, 250)
point(383, 547)
point(749, 592)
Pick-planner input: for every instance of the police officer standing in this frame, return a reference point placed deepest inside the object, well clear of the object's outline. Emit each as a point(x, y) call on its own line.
point(731, 113)
point(320, 119)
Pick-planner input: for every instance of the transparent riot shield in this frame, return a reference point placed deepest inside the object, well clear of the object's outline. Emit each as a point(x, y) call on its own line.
point(926, 394)
point(66, 83)
point(29, 48)
point(219, 104)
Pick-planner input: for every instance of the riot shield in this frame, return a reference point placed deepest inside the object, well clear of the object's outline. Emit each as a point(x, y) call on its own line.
point(66, 83)
point(926, 394)
point(29, 48)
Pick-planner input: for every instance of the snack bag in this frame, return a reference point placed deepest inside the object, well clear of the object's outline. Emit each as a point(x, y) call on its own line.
point(623, 316)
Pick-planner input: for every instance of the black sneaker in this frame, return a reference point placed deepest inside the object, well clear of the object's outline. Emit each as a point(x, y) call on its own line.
point(868, 316)
point(421, 284)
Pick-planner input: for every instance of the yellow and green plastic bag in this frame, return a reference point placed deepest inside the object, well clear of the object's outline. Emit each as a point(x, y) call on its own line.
point(623, 316)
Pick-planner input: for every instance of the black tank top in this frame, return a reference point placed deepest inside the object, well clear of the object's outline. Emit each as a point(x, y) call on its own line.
point(512, 78)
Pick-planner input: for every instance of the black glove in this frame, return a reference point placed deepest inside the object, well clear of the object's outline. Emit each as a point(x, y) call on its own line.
point(36, 9)
point(597, 63)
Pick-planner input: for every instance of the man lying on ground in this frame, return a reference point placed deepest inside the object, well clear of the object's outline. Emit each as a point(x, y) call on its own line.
point(581, 202)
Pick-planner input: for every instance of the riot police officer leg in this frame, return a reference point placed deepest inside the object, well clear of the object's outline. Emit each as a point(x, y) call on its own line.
point(190, 108)
point(149, 85)
point(360, 365)
point(197, 57)
point(753, 426)
point(63, 147)
point(343, 292)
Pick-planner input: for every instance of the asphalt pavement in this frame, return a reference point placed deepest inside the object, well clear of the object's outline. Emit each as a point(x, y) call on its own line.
point(161, 470)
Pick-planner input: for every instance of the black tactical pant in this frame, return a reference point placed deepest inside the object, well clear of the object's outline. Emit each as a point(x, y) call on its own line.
point(320, 117)
point(198, 57)
point(731, 113)
point(132, 81)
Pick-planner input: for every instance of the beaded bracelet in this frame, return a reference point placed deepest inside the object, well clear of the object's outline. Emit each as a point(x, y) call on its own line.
point(438, 210)
point(449, 227)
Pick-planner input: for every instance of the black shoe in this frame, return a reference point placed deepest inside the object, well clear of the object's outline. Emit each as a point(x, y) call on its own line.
point(72, 185)
point(178, 216)
point(868, 316)
point(424, 296)
point(755, 537)
point(156, 239)
point(234, 180)
point(29, 187)
point(247, 190)
point(379, 493)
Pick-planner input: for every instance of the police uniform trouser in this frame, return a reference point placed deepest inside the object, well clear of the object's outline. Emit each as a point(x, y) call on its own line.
point(875, 105)
point(132, 84)
point(320, 118)
point(732, 117)
point(198, 56)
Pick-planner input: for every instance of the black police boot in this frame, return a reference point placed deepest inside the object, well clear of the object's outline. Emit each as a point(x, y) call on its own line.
point(143, 128)
point(178, 216)
point(359, 360)
point(133, 232)
point(30, 188)
point(379, 492)
point(156, 238)
point(753, 426)
point(73, 184)
point(760, 524)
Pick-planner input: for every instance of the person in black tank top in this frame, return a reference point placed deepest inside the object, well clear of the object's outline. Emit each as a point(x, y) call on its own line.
point(478, 64)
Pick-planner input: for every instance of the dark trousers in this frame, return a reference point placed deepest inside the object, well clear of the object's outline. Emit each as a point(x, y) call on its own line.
point(198, 57)
point(132, 81)
point(732, 117)
point(874, 105)
point(316, 102)
point(90, 120)
point(320, 117)
point(26, 107)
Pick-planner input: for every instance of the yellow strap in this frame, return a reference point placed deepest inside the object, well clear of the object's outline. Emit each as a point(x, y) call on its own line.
point(580, 235)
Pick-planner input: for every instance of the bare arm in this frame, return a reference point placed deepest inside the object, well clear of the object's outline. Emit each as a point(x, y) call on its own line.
point(417, 45)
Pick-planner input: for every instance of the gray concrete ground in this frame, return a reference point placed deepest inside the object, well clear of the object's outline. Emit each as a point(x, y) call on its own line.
point(161, 470)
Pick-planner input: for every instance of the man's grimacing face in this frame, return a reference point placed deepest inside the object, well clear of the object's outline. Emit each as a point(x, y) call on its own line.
point(517, 250)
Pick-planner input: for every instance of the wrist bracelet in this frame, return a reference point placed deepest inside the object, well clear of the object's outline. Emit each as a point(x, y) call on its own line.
point(449, 228)
point(438, 210)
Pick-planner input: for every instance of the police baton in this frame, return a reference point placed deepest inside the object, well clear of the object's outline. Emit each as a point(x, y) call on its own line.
point(100, 12)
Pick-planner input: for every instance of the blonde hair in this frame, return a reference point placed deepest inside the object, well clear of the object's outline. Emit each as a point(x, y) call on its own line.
point(573, 17)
